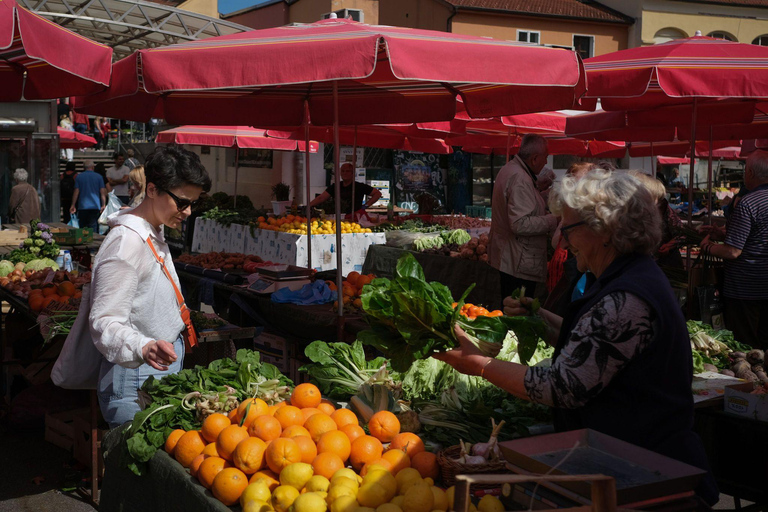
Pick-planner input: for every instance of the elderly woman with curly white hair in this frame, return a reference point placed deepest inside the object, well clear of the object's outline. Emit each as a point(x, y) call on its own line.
point(622, 362)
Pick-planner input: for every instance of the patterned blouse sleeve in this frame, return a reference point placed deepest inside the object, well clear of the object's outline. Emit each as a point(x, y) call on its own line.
point(606, 338)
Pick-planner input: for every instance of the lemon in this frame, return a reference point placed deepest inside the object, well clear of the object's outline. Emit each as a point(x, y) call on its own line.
point(441, 500)
point(364, 509)
point(257, 491)
point(418, 498)
point(342, 480)
point(490, 503)
point(317, 483)
point(337, 491)
point(257, 506)
point(344, 504)
point(472, 507)
point(406, 476)
point(449, 494)
point(388, 507)
point(372, 495)
point(310, 502)
point(296, 475)
point(429, 481)
point(410, 483)
point(398, 500)
point(283, 497)
point(344, 473)
point(383, 478)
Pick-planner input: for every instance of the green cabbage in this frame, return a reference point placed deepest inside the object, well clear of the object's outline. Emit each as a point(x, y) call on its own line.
point(6, 267)
point(41, 264)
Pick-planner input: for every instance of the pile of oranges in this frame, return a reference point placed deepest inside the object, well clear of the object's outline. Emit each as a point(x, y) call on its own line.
point(265, 456)
point(41, 298)
point(471, 311)
point(352, 289)
point(297, 225)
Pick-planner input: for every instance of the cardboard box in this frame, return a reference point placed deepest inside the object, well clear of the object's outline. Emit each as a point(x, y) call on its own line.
point(272, 345)
point(82, 439)
point(60, 427)
point(280, 363)
point(78, 236)
point(739, 401)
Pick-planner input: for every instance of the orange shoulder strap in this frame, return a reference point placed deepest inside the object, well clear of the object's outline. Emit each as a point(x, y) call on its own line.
point(190, 337)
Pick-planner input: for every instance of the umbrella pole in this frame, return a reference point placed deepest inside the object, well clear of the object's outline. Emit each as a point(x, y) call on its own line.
point(691, 171)
point(306, 179)
point(709, 176)
point(509, 137)
point(653, 167)
point(237, 170)
point(354, 170)
point(337, 191)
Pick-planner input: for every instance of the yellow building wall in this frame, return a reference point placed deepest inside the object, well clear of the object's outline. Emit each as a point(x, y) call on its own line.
point(308, 11)
point(608, 37)
point(744, 30)
point(209, 8)
point(424, 14)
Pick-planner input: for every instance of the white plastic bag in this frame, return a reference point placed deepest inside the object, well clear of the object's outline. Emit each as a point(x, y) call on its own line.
point(113, 206)
point(79, 362)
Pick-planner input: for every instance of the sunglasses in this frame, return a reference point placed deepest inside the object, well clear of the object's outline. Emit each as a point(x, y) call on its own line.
point(564, 229)
point(182, 204)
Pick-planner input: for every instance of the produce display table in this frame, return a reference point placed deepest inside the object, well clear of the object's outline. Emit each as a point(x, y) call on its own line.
point(167, 487)
point(92, 246)
point(280, 247)
point(457, 274)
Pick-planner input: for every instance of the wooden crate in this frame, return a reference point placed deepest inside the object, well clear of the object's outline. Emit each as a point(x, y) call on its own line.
point(82, 440)
point(60, 427)
point(12, 236)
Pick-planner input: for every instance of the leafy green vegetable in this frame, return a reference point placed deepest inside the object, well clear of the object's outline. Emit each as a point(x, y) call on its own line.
point(456, 236)
point(339, 369)
point(723, 339)
point(411, 319)
point(184, 399)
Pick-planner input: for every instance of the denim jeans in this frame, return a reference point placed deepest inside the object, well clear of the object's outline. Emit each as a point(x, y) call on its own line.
point(118, 387)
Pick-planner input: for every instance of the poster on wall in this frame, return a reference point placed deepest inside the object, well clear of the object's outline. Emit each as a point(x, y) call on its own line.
point(419, 181)
point(257, 158)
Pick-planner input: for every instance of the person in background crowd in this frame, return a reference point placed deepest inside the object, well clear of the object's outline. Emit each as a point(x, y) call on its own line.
point(89, 197)
point(137, 185)
point(745, 251)
point(131, 161)
point(101, 132)
point(676, 180)
point(24, 203)
point(117, 177)
point(622, 363)
point(63, 109)
point(81, 122)
point(668, 254)
point(520, 221)
point(139, 330)
point(362, 190)
point(66, 189)
point(65, 123)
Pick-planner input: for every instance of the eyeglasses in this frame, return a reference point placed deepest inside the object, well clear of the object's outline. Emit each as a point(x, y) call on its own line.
point(182, 204)
point(564, 229)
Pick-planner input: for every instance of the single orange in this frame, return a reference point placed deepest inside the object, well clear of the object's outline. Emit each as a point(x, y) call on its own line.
point(289, 415)
point(365, 449)
point(196, 464)
point(213, 425)
point(265, 428)
point(344, 417)
point(383, 463)
point(326, 407)
point(307, 447)
point(270, 477)
point(189, 446)
point(326, 464)
point(36, 302)
point(398, 458)
point(210, 450)
point(208, 470)
point(228, 485)
point(233, 417)
point(335, 441)
point(255, 406)
point(295, 430)
point(282, 452)
point(49, 289)
point(319, 424)
point(426, 464)
point(306, 395)
point(353, 432)
point(408, 440)
point(66, 289)
point(35, 291)
point(173, 438)
point(384, 426)
point(249, 455)
point(228, 440)
point(309, 411)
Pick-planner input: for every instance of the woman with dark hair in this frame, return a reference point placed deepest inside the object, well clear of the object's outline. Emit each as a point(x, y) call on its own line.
point(138, 320)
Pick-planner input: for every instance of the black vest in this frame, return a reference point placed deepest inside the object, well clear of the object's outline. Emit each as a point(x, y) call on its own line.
point(649, 402)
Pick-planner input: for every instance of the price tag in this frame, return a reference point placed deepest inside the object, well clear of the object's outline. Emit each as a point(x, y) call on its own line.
point(49, 277)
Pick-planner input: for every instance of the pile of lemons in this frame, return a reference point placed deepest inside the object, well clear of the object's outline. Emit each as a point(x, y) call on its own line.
point(300, 490)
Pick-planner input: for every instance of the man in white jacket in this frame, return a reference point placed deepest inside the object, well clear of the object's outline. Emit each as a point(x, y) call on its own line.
point(520, 223)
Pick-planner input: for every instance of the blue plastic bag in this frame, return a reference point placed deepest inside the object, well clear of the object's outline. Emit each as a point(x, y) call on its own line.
point(73, 222)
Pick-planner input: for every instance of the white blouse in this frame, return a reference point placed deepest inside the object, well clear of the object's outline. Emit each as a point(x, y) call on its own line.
point(132, 301)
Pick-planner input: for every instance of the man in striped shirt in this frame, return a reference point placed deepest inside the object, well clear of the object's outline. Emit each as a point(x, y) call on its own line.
point(745, 252)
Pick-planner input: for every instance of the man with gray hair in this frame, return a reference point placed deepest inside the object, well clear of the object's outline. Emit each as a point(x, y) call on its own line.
point(130, 161)
point(520, 222)
point(745, 251)
point(24, 204)
point(89, 198)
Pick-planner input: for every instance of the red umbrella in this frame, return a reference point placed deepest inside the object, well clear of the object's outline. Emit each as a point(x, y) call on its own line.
point(41, 60)
point(383, 74)
point(407, 137)
point(563, 146)
point(69, 139)
point(231, 136)
point(678, 149)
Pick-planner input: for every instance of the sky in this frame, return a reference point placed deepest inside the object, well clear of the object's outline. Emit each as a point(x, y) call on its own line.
point(228, 6)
